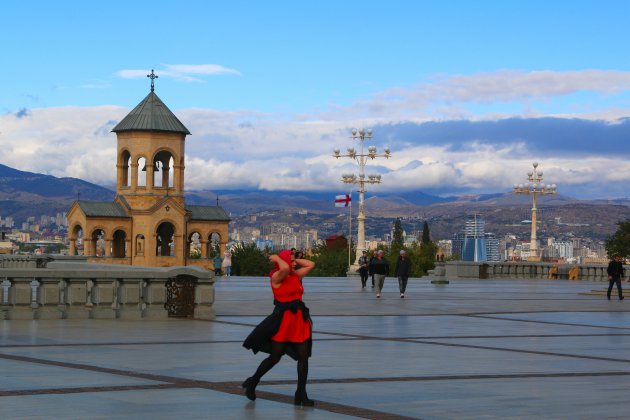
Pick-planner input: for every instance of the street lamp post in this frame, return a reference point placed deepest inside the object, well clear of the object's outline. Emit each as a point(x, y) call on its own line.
point(361, 157)
point(534, 186)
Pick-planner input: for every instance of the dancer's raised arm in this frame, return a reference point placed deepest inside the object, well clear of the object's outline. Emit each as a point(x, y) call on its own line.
point(305, 267)
point(281, 273)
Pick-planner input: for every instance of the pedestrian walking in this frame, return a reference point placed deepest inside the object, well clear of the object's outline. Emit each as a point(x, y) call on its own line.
point(288, 330)
point(615, 272)
point(217, 264)
point(371, 267)
point(363, 268)
point(381, 270)
point(227, 262)
point(403, 269)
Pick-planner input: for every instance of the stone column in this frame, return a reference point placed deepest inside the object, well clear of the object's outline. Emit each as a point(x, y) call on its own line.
point(204, 248)
point(108, 247)
point(134, 177)
point(87, 247)
point(179, 248)
point(119, 176)
point(149, 168)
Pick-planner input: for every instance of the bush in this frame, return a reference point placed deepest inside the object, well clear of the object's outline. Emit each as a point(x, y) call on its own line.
point(330, 262)
point(248, 260)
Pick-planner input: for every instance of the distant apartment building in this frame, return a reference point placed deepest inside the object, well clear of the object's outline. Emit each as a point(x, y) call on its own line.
point(245, 234)
point(456, 245)
point(263, 244)
point(474, 244)
point(6, 246)
point(7, 222)
point(276, 228)
point(446, 246)
point(303, 240)
point(493, 252)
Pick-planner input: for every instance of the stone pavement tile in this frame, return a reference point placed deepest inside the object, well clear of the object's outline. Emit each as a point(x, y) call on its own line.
point(477, 349)
point(18, 375)
point(191, 403)
point(596, 319)
point(72, 331)
point(612, 347)
point(331, 360)
point(505, 398)
point(379, 359)
point(438, 326)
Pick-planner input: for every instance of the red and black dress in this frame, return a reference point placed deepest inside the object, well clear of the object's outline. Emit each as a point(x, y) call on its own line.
point(290, 321)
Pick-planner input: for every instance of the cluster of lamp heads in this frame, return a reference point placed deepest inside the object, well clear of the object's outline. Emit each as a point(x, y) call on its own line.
point(372, 153)
point(535, 184)
point(353, 179)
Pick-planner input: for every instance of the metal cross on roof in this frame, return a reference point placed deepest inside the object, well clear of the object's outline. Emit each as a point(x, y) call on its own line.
point(152, 76)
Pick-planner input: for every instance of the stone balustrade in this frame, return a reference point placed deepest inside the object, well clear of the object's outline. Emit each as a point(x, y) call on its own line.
point(522, 269)
point(66, 289)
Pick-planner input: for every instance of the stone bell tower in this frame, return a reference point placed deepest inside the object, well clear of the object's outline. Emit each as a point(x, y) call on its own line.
point(151, 145)
point(149, 222)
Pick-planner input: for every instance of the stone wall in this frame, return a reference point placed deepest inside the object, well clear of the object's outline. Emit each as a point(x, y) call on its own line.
point(67, 289)
point(526, 270)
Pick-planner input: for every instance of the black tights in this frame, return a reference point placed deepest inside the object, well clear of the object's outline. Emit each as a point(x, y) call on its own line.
point(277, 350)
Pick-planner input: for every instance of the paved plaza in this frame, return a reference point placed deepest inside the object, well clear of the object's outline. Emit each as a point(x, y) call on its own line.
point(472, 349)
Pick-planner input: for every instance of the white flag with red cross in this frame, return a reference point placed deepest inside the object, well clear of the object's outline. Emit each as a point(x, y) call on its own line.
point(342, 200)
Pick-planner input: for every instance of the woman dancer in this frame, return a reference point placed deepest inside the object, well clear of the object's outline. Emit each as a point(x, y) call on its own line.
point(288, 330)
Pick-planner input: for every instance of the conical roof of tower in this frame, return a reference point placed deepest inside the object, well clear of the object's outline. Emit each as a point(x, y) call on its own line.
point(151, 115)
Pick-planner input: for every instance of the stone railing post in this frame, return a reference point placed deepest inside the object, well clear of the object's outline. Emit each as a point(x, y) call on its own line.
point(89, 286)
point(63, 297)
point(6, 285)
point(115, 288)
point(34, 287)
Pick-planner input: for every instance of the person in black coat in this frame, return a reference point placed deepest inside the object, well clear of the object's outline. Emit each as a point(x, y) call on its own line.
point(381, 270)
point(403, 269)
point(615, 272)
point(371, 267)
point(363, 268)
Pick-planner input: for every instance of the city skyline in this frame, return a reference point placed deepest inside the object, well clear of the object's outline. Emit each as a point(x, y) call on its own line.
point(467, 96)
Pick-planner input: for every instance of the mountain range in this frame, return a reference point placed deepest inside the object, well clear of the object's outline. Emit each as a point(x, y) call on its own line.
point(24, 194)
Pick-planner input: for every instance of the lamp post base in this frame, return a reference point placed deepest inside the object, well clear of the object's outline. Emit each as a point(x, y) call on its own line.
point(353, 271)
point(440, 282)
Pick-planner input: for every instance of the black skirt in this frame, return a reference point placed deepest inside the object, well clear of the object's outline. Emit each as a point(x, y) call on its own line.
point(260, 338)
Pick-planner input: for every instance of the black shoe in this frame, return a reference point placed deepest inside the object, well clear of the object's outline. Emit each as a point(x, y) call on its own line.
point(302, 399)
point(620, 297)
point(250, 387)
point(608, 297)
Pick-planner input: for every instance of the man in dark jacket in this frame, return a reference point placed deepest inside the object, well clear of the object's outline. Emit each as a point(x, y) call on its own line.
point(381, 269)
point(371, 267)
point(615, 274)
point(363, 268)
point(403, 269)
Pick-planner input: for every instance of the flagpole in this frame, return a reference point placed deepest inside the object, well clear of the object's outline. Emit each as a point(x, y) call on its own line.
point(350, 230)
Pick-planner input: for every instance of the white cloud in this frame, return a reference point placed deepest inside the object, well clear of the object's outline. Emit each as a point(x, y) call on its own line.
point(457, 96)
point(184, 72)
point(250, 149)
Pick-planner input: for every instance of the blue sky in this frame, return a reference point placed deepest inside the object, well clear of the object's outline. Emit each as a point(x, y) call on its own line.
point(466, 94)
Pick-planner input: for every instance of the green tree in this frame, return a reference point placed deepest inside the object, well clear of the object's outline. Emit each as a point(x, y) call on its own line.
point(619, 242)
point(248, 260)
point(213, 249)
point(332, 260)
point(422, 258)
point(397, 239)
point(398, 243)
point(422, 254)
point(426, 235)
